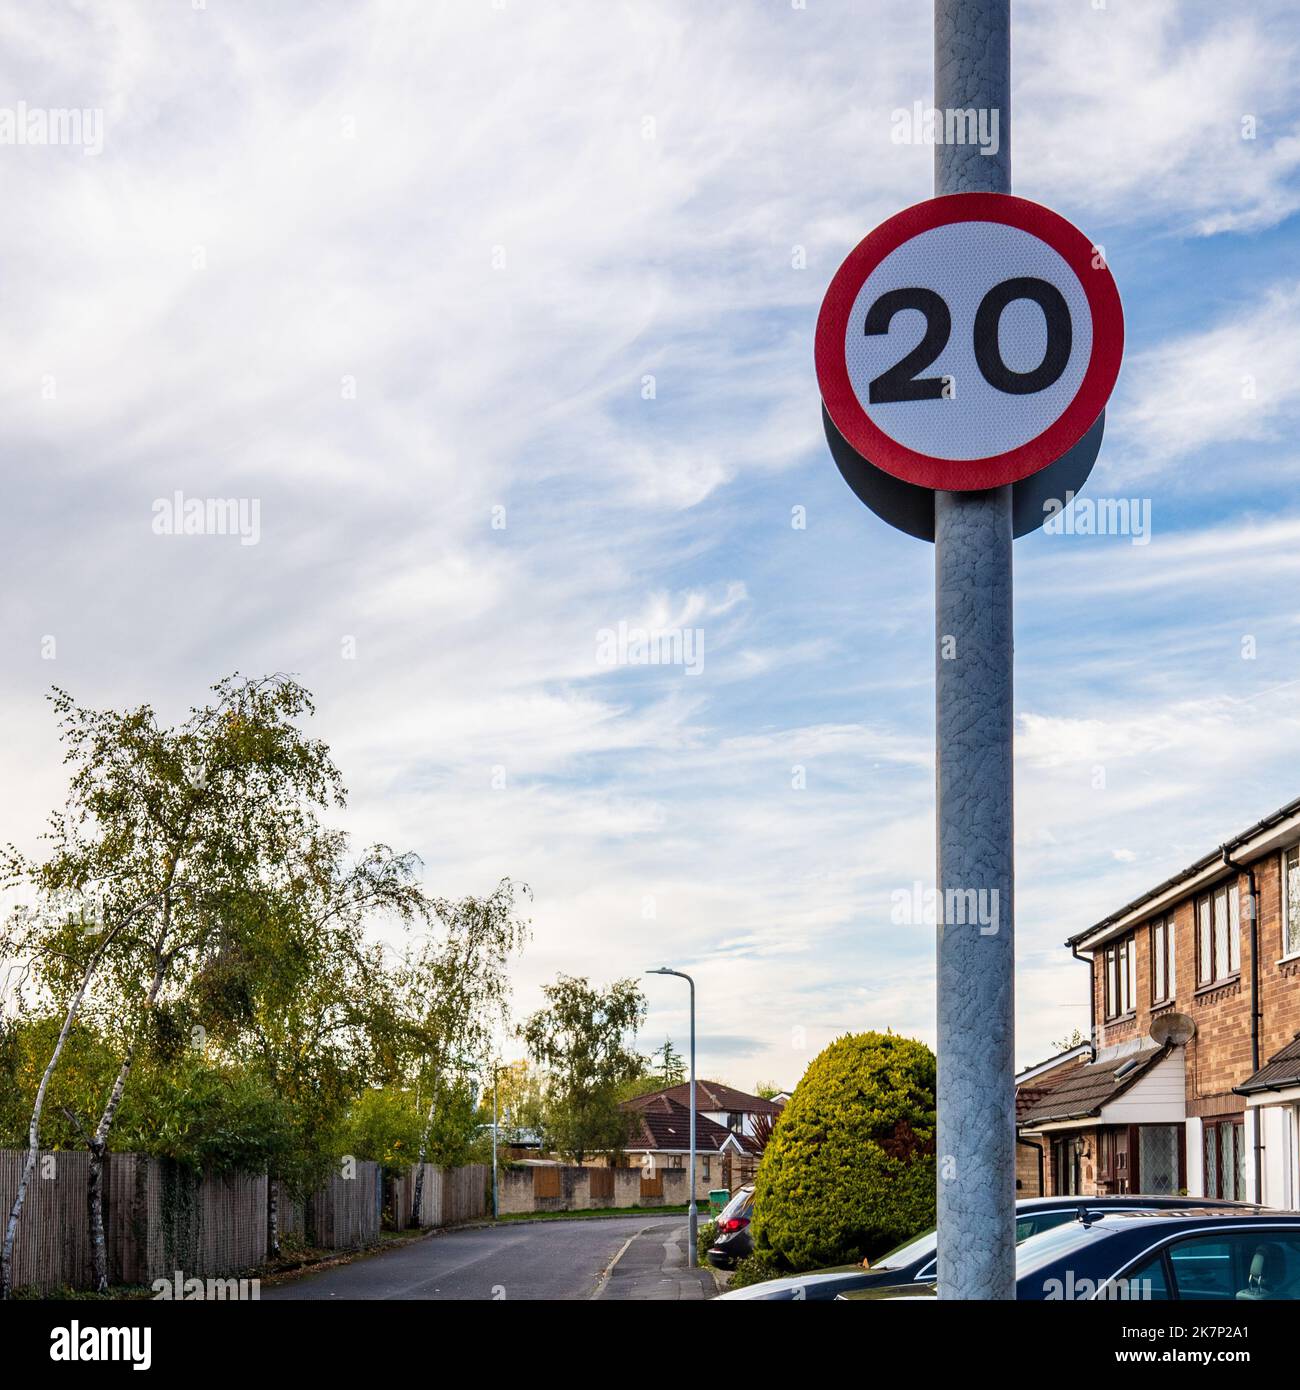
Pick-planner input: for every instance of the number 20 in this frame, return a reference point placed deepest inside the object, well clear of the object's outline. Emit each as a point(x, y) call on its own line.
point(901, 383)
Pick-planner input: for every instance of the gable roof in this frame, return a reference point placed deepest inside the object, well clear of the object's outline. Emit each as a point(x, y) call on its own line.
point(1264, 835)
point(710, 1095)
point(1281, 1070)
point(1054, 1064)
point(663, 1124)
point(1081, 1091)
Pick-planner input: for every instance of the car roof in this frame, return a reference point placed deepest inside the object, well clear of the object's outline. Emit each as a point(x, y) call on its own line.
point(1126, 1217)
point(1118, 1203)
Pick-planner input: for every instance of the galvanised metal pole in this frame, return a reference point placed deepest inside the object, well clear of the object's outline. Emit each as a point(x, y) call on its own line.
point(693, 1218)
point(973, 717)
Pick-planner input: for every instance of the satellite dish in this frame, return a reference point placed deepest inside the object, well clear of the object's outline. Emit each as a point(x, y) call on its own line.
point(1173, 1028)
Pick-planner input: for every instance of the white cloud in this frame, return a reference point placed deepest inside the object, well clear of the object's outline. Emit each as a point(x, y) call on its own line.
point(458, 208)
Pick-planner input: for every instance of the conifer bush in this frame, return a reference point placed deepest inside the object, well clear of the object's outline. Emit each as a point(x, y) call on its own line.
point(849, 1172)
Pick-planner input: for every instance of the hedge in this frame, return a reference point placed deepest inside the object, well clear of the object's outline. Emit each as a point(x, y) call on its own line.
point(849, 1171)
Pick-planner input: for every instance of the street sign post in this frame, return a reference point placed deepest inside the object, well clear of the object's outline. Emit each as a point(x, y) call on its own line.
point(965, 352)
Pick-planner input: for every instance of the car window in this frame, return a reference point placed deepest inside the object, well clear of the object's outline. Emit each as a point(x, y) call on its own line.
point(1047, 1246)
point(1147, 1284)
point(1037, 1221)
point(736, 1206)
point(1249, 1265)
point(907, 1253)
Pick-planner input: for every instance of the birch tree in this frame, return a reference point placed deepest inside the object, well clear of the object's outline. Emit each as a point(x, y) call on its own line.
point(191, 824)
point(456, 991)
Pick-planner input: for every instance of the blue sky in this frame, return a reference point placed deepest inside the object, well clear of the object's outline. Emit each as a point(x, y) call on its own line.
point(496, 220)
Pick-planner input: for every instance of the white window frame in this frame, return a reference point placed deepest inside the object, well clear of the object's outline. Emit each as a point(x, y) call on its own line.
point(1165, 925)
point(1228, 965)
point(1289, 950)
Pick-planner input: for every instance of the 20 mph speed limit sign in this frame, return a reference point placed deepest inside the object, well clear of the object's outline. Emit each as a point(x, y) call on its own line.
point(969, 341)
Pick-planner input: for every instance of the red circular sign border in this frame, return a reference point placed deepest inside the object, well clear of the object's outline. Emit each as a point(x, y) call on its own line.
point(964, 475)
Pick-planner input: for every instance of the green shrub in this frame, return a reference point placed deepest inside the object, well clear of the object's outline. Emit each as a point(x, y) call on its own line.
point(849, 1170)
point(703, 1239)
point(755, 1269)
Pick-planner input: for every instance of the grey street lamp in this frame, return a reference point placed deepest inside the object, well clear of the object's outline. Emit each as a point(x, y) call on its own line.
point(692, 1211)
point(496, 1068)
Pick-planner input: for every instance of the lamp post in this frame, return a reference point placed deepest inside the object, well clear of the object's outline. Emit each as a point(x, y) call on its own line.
point(496, 1067)
point(692, 1210)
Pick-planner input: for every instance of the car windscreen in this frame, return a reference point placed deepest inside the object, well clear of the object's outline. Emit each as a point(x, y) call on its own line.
point(908, 1253)
point(1052, 1244)
point(737, 1204)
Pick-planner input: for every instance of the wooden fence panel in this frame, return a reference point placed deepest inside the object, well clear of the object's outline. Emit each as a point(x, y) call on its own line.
point(430, 1198)
point(160, 1219)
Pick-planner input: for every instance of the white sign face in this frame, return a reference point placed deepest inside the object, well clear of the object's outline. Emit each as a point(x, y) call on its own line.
point(969, 341)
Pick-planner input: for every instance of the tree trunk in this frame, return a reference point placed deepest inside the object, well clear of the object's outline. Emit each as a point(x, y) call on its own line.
point(272, 1218)
point(34, 1126)
point(98, 1144)
point(418, 1200)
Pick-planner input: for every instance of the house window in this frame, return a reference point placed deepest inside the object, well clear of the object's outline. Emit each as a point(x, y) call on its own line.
point(1162, 960)
point(1291, 907)
point(1218, 935)
point(1225, 1159)
point(1158, 1162)
point(1121, 978)
point(736, 1122)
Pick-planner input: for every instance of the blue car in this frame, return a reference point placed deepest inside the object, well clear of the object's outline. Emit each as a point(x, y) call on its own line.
point(913, 1263)
point(1197, 1254)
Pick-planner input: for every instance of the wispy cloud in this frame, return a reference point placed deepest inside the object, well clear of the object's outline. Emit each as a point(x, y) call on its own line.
point(504, 316)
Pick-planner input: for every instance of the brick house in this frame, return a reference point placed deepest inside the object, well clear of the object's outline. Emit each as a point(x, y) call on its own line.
point(1192, 1079)
point(730, 1129)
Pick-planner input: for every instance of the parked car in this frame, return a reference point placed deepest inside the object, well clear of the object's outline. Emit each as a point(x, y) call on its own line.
point(734, 1240)
point(1224, 1254)
point(913, 1262)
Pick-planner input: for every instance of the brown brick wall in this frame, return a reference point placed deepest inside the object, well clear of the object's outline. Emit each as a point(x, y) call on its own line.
point(1027, 1169)
point(1219, 1057)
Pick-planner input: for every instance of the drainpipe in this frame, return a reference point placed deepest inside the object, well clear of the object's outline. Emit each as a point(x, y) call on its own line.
point(1092, 1001)
point(1247, 869)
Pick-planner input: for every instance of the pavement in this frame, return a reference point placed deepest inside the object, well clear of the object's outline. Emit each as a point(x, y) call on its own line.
point(652, 1266)
point(628, 1257)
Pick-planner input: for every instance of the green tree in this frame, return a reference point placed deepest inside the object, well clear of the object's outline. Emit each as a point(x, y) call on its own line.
point(583, 1037)
point(303, 999)
point(186, 842)
point(521, 1101)
point(454, 992)
point(849, 1171)
point(668, 1063)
